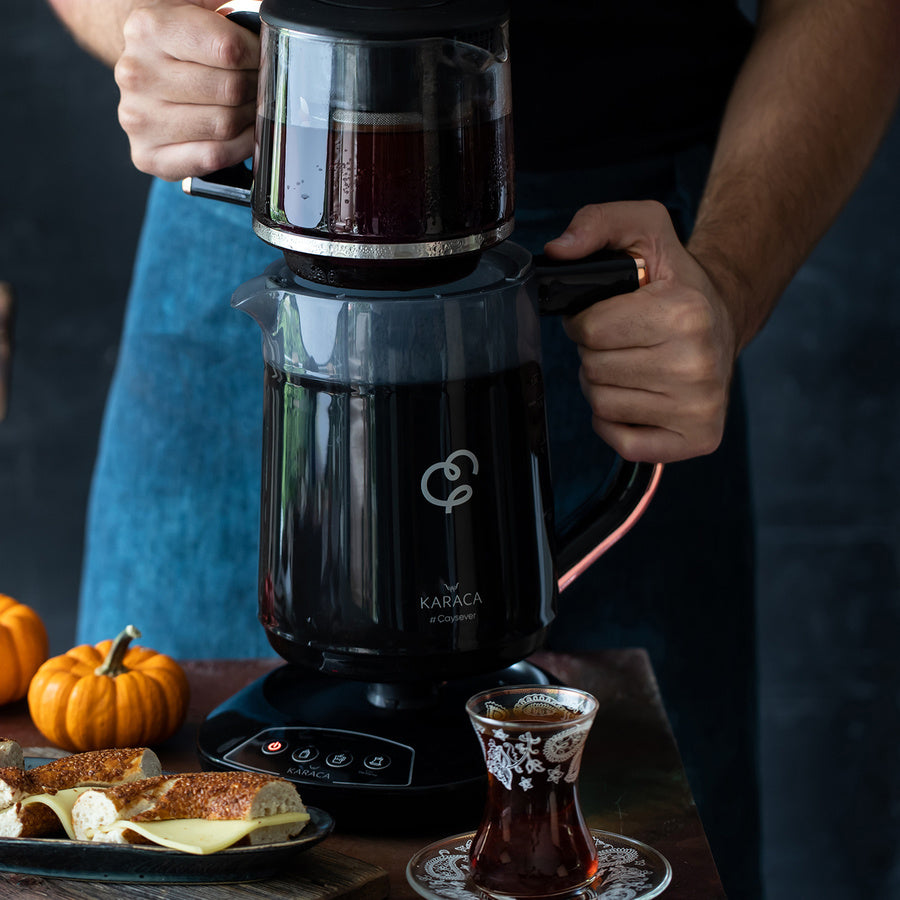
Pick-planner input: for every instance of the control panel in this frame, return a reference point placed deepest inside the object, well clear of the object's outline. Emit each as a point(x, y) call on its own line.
point(326, 756)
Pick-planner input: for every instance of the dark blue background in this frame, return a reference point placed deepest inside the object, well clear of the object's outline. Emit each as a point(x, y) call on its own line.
point(824, 396)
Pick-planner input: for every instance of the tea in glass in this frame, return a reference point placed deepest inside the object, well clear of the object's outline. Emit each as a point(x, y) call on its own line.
point(533, 840)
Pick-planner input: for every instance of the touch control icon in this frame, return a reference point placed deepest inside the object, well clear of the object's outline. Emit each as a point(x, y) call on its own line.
point(338, 760)
point(304, 754)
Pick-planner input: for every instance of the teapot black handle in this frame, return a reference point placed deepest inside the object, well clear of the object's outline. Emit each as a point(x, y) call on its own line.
point(234, 184)
point(567, 288)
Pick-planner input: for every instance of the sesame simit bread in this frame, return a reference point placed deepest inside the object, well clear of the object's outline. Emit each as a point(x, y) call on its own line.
point(198, 812)
point(35, 802)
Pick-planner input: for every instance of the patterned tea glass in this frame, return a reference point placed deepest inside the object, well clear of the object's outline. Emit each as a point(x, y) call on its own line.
point(532, 840)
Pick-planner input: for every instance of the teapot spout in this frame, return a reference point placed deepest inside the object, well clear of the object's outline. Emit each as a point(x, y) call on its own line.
point(259, 299)
point(303, 329)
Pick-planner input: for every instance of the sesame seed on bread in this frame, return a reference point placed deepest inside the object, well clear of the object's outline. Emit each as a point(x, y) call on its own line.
point(194, 795)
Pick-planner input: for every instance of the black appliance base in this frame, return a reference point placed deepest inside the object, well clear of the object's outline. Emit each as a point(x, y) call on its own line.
point(374, 756)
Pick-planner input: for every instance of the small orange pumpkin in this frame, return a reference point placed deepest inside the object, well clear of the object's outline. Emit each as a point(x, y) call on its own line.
point(23, 647)
point(109, 695)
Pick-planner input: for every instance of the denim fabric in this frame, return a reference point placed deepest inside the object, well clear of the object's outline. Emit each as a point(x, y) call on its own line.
point(172, 532)
point(172, 537)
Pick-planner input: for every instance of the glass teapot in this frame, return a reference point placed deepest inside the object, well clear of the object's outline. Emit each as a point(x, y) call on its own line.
point(407, 525)
point(384, 144)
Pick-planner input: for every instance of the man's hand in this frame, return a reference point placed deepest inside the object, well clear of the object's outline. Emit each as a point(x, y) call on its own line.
point(187, 78)
point(656, 364)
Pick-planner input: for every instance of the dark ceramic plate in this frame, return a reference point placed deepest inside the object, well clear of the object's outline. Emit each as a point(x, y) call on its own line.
point(57, 858)
point(60, 858)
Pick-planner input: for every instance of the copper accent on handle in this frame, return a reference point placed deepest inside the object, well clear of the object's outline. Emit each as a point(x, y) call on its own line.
point(566, 578)
point(235, 7)
point(641, 266)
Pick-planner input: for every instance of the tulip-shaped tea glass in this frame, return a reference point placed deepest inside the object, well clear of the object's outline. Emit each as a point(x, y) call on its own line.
point(533, 840)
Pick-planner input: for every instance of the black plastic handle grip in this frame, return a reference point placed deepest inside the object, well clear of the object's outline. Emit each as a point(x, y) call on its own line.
point(567, 287)
point(234, 184)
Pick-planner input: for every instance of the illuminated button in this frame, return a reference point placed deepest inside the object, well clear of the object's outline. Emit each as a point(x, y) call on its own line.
point(305, 754)
point(270, 748)
point(377, 762)
point(338, 760)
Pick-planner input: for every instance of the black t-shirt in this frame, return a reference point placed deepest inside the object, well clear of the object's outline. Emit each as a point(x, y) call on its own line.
point(598, 82)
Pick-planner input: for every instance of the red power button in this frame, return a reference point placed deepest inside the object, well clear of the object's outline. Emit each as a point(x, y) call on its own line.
point(273, 747)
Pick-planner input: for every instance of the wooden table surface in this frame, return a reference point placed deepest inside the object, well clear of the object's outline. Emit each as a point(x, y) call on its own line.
point(632, 781)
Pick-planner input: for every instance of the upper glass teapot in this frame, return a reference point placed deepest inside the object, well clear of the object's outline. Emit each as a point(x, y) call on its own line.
point(384, 145)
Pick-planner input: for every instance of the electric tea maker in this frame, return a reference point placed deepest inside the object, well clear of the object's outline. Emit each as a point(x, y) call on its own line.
point(408, 551)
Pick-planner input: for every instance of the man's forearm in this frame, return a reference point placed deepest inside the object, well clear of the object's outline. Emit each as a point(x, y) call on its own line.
point(806, 116)
point(97, 27)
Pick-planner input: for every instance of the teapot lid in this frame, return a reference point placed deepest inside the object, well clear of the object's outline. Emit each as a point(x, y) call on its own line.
point(386, 19)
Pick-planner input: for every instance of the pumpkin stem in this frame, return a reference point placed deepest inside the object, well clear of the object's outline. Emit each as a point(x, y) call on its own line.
point(112, 665)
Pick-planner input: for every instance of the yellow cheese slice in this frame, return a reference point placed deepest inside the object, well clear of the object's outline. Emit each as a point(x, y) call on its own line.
point(61, 803)
point(201, 836)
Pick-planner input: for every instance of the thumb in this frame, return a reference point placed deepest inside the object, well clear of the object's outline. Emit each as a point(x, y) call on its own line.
point(634, 226)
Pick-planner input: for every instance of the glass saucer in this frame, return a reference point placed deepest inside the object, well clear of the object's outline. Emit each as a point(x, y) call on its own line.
point(629, 870)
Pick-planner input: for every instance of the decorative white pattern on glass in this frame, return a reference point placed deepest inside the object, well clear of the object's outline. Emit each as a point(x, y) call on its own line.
point(508, 755)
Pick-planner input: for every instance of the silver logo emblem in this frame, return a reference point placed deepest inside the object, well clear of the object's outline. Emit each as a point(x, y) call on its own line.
point(452, 472)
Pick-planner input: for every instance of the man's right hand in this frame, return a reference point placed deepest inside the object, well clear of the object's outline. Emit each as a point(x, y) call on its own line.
point(187, 78)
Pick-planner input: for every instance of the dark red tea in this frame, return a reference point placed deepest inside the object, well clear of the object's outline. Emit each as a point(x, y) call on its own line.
point(379, 530)
point(535, 844)
point(533, 840)
point(384, 180)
